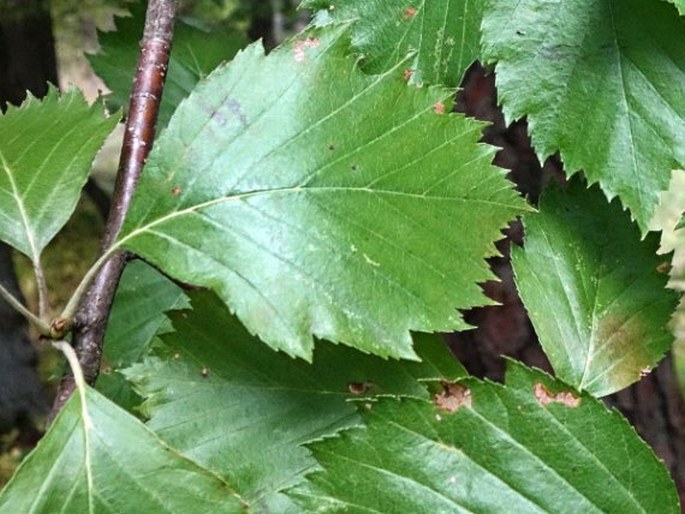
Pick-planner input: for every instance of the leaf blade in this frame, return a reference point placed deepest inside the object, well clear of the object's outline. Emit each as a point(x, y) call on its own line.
point(622, 58)
point(444, 35)
point(83, 466)
point(593, 290)
point(137, 316)
point(46, 149)
point(262, 404)
point(504, 451)
point(322, 209)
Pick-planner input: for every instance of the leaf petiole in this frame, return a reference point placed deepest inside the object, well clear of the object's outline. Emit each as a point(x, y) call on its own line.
point(42, 327)
point(42, 286)
point(75, 300)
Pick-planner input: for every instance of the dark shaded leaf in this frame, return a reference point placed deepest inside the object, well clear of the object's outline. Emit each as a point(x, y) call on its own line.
point(195, 52)
point(242, 410)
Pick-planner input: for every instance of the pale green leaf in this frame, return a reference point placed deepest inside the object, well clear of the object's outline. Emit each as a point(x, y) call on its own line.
point(46, 150)
point(195, 52)
point(595, 293)
point(138, 314)
point(444, 35)
point(530, 446)
point(242, 410)
point(101, 459)
point(603, 82)
point(315, 199)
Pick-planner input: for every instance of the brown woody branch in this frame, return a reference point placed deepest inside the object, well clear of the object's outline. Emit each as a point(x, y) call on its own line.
point(91, 318)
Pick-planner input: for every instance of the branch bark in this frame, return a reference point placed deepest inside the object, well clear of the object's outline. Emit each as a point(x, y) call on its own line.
point(91, 318)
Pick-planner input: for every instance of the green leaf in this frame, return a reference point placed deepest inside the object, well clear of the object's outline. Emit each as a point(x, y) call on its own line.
point(331, 211)
point(531, 446)
point(593, 290)
point(98, 458)
point(680, 4)
point(46, 150)
point(138, 314)
point(195, 52)
point(596, 80)
point(444, 35)
point(240, 409)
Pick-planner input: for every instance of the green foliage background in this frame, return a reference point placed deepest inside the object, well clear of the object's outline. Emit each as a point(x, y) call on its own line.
point(168, 397)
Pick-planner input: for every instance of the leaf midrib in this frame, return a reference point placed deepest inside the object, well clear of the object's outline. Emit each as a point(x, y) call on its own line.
point(295, 189)
point(22, 210)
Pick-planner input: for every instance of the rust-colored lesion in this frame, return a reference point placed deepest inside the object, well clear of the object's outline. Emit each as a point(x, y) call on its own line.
point(619, 342)
point(544, 396)
point(453, 397)
point(409, 13)
point(358, 388)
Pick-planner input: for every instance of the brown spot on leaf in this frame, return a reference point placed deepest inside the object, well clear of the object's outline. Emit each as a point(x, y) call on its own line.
point(301, 44)
point(439, 108)
point(626, 333)
point(177, 356)
point(331, 147)
point(359, 387)
point(176, 191)
point(409, 13)
point(204, 372)
point(544, 396)
point(406, 74)
point(664, 267)
point(453, 397)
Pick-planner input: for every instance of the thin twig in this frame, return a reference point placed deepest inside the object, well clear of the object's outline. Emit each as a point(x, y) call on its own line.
point(40, 325)
point(91, 318)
